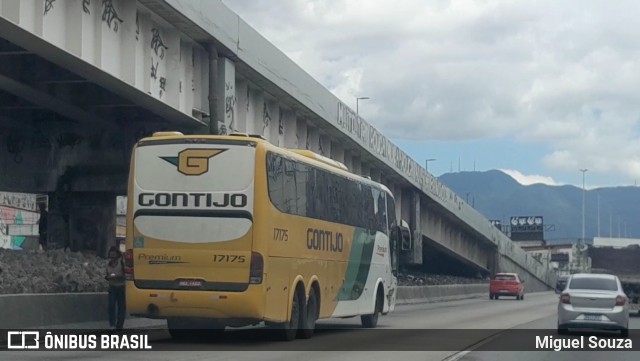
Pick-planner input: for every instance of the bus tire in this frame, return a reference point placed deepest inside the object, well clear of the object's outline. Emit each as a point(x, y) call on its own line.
point(288, 331)
point(308, 321)
point(371, 321)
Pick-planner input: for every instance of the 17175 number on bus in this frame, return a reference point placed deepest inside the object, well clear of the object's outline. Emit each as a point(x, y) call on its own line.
point(219, 258)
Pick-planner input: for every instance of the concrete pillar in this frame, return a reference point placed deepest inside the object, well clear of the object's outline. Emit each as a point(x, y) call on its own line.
point(337, 152)
point(226, 89)
point(254, 111)
point(92, 221)
point(242, 105)
point(376, 174)
point(270, 114)
point(416, 229)
point(325, 145)
point(357, 167)
point(301, 134)
point(281, 126)
point(365, 170)
point(347, 161)
point(290, 129)
point(313, 139)
point(58, 219)
point(397, 193)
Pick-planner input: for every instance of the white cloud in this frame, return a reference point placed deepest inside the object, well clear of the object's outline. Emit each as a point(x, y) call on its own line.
point(530, 179)
point(563, 74)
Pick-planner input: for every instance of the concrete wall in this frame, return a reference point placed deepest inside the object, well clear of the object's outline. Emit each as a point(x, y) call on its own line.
point(42, 310)
point(532, 283)
point(34, 310)
point(422, 294)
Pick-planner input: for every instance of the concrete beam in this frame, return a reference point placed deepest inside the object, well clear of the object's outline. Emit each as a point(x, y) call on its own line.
point(50, 102)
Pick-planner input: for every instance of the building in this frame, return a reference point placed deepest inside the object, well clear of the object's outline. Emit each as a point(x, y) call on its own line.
point(615, 242)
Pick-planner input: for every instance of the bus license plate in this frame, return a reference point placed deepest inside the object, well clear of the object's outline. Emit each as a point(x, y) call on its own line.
point(190, 283)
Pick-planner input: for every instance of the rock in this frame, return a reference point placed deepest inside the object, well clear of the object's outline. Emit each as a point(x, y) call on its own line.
point(423, 279)
point(53, 271)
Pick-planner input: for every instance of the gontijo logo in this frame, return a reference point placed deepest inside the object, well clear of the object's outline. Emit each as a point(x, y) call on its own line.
point(193, 161)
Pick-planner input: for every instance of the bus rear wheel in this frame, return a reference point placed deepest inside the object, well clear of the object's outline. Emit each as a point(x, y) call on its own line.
point(288, 331)
point(309, 319)
point(371, 321)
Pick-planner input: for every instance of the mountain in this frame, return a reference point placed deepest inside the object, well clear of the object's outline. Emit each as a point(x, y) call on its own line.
point(498, 196)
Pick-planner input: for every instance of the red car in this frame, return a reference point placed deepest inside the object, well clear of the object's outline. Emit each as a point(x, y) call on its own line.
point(506, 284)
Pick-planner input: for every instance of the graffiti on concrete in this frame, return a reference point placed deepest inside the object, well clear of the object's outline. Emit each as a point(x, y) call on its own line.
point(85, 6)
point(15, 147)
point(154, 69)
point(320, 147)
point(68, 139)
point(12, 217)
point(280, 123)
point(223, 129)
point(18, 200)
point(306, 146)
point(48, 6)
point(266, 117)
point(230, 104)
point(110, 15)
point(163, 86)
point(157, 44)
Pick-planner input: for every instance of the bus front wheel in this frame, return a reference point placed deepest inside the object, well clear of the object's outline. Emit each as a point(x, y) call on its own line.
point(371, 321)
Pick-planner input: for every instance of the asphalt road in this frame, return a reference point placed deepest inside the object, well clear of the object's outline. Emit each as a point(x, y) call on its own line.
point(457, 330)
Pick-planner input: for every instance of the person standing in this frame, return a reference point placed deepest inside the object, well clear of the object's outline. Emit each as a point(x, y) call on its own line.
point(115, 276)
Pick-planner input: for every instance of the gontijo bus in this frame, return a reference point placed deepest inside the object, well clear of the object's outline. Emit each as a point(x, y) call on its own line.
point(232, 231)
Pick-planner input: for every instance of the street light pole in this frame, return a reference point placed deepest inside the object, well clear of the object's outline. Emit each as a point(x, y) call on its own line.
point(426, 163)
point(583, 195)
point(358, 105)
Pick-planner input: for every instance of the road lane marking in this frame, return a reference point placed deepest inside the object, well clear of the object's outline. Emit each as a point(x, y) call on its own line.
point(458, 355)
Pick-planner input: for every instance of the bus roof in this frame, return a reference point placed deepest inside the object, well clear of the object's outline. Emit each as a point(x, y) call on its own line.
point(305, 155)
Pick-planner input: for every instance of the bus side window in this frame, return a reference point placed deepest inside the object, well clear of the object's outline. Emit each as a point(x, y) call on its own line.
point(391, 213)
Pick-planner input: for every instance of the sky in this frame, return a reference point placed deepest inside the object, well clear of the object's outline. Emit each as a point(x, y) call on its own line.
point(537, 88)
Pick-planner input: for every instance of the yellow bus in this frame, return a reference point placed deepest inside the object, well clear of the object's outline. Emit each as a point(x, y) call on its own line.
point(232, 231)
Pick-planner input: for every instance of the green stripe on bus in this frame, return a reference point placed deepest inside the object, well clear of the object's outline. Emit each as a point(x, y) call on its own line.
point(358, 266)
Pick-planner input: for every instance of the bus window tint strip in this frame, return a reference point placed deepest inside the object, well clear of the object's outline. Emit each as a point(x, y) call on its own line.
point(303, 190)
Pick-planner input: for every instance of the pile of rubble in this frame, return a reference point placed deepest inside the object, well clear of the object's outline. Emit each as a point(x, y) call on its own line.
point(54, 271)
point(425, 279)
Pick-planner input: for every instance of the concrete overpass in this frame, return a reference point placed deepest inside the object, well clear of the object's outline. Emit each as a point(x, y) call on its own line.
point(82, 80)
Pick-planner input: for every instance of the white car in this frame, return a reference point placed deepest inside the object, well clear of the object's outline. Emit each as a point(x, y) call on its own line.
point(593, 301)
